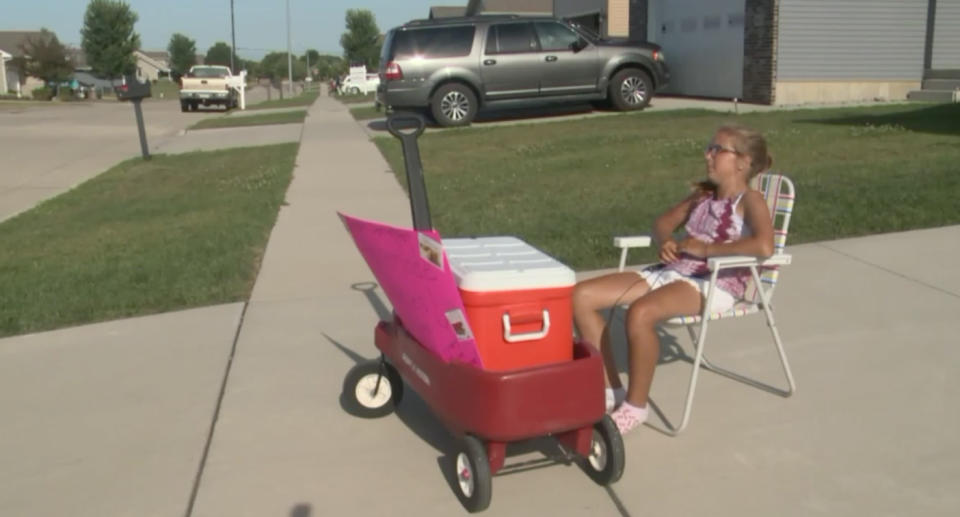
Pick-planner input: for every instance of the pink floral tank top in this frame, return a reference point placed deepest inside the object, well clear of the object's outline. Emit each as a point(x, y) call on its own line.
point(715, 221)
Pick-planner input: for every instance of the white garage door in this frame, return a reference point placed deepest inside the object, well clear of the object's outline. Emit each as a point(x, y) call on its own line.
point(946, 35)
point(703, 42)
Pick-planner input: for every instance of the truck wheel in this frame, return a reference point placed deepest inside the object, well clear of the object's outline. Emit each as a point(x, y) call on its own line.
point(630, 89)
point(184, 107)
point(354, 91)
point(453, 105)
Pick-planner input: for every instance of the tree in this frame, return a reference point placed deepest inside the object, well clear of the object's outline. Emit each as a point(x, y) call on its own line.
point(274, 66)
point(46, 58)
point(328, 67)
point(361, 42)
point(218, 54)
point(108, 37)
point(310, 58)
point(183, 53)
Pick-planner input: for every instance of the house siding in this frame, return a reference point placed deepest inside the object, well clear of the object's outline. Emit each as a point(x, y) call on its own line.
point(946, 36)
point(618, 18)
point(851, 40)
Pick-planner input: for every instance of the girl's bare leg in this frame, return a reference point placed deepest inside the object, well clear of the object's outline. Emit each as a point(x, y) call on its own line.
point(677, 298)
point(596, 294)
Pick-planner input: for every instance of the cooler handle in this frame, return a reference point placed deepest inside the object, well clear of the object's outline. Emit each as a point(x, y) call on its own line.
point(525, 336)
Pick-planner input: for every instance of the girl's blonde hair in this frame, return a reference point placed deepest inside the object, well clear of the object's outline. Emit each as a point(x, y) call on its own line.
point(747, 142)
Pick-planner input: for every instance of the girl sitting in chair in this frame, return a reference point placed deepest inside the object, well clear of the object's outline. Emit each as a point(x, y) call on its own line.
point(723, 216)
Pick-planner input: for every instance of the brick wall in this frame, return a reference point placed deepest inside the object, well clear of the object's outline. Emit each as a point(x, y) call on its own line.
point(760, 50)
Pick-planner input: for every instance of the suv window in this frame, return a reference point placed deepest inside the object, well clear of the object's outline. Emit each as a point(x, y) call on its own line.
point(555, 36)
point(510, 38)
point(434, 42)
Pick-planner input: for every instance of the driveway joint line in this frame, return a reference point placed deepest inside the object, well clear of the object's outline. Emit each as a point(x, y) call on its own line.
point(195, 490)
point(888, 270)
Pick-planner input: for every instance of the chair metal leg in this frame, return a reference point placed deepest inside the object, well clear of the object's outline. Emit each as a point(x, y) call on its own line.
point(699, 340)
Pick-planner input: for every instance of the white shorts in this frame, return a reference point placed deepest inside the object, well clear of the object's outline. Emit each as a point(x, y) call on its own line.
point(656, 278)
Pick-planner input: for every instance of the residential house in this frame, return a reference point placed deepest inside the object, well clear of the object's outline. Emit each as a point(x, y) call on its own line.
point(11, 47)
point(4, 57)
point(447, 11)
point(783, 52)
point(152, 65)
point(524, 7)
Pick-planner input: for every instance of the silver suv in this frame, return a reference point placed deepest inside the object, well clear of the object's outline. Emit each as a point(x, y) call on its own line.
point(455, 66)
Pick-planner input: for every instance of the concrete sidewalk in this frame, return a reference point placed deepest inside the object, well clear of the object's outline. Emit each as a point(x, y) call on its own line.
point(128, 418)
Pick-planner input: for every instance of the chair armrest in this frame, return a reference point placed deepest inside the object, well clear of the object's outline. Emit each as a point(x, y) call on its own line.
point(633, 241)
point(625, 243)
point(714, 263)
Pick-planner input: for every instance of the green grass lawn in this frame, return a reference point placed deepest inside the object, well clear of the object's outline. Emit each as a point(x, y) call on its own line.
point(569, 187)
point(173, 232)
point(367, 113)
point(304, 99)
point(165, 89)
point(288, 117)
point(356, 99)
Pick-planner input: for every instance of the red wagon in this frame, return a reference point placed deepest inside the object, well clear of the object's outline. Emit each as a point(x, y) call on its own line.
point(488, 409)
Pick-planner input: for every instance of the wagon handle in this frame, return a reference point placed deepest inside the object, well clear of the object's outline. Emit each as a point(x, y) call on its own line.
point(411, 162)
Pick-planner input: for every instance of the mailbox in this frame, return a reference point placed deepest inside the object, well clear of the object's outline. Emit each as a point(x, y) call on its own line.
point(132, 89)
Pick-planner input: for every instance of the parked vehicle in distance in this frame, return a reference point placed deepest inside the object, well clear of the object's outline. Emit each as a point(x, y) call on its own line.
point(207, 85)
point(456, 66)
point(352, 85)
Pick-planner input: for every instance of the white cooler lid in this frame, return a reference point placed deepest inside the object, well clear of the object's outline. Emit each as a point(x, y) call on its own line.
point(504, 264)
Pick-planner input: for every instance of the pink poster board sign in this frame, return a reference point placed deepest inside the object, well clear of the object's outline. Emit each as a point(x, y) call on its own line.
point(412, 269)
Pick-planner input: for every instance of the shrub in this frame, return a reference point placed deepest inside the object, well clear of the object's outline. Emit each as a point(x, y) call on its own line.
point(42, 93)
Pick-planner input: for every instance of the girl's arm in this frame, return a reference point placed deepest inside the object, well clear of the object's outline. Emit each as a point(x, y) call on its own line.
point(760, 244)
point(664, 226)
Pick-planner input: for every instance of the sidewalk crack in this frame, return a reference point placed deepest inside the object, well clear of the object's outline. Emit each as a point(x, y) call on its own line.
point(216, 414)
point(888, 270)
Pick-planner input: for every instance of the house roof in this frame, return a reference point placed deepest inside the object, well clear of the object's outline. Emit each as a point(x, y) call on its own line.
point(509, 7)
point(447, 11)
point(148, 56)
point(11, 41)
point(157, 55)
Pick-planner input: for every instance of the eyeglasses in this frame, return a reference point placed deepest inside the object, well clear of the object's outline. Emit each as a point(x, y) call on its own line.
point(714, 149)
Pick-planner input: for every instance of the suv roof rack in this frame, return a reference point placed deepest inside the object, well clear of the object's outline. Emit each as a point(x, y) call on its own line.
point(451, 20)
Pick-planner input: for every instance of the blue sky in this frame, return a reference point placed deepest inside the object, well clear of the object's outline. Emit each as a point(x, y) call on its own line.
point(261, 25)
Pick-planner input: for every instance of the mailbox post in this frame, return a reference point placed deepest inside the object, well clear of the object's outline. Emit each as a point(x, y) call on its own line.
point(135, 91)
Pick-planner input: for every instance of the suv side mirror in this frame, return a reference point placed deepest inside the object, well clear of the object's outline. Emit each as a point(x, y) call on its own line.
point(579, 45)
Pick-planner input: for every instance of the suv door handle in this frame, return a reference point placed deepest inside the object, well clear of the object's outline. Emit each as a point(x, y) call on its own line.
point(551, 59)
point(489, 61)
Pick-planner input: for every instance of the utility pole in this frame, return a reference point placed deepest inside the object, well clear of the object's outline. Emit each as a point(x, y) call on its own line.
point(289, 52)
point(233, 40)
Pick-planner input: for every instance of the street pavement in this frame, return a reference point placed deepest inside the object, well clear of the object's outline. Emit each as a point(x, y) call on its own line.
point(234, 410)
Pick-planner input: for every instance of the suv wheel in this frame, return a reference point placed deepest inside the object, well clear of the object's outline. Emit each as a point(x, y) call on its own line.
point(453, 105)
point(630, 89)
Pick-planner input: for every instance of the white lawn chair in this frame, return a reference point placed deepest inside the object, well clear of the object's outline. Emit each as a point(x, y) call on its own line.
point(779, 193)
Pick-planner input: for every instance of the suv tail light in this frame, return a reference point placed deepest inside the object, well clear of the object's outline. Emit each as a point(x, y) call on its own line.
point(393, 71)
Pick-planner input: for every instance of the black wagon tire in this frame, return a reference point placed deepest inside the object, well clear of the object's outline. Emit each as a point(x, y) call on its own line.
point(372, 389)
point(630, 89)
point(453, 104)
point(606, 460)
point(472, 479)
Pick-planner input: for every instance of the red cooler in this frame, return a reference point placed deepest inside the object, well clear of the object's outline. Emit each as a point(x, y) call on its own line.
point(517, 300)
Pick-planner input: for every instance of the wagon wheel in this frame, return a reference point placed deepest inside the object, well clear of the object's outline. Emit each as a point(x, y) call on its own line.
point(472, 478)
point(372, 389)
point(605, 462)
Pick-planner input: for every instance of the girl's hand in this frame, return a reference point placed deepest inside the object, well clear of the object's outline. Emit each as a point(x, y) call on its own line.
point(669, 251)
point(694, 247)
